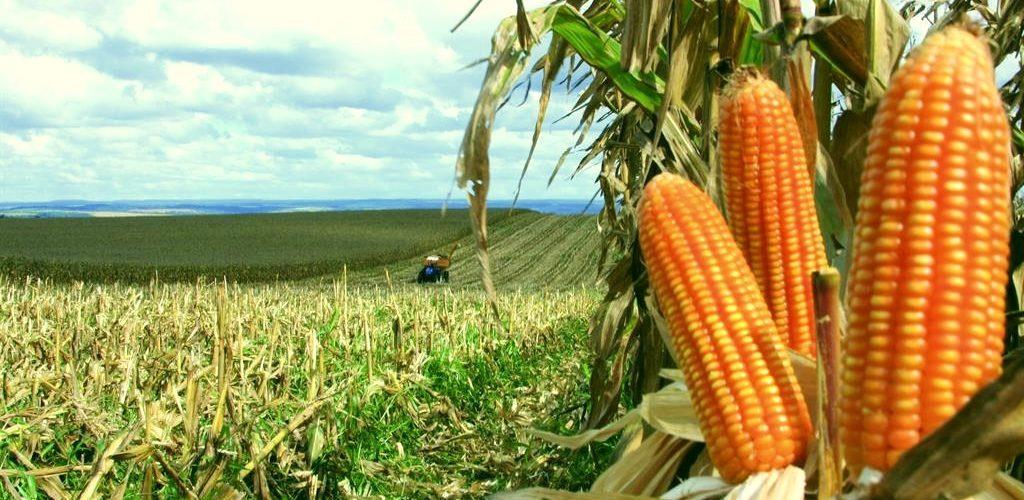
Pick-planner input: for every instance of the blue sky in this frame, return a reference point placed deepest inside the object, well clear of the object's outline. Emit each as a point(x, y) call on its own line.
point(303, 99)
point(285, 100)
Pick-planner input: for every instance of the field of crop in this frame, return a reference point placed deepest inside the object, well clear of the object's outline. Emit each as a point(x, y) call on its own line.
point(259, 247)
point(287, 390)
point(528, 251)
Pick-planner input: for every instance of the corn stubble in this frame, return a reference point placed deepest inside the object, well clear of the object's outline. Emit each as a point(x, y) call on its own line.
point(748, 402)
point(927, 284)
point(274, 390)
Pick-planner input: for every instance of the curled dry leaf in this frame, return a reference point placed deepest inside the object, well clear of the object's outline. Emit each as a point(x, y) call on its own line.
point(646, 471)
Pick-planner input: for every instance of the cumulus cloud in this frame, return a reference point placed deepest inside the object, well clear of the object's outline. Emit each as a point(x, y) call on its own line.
point(300, 99)
point(47, 29)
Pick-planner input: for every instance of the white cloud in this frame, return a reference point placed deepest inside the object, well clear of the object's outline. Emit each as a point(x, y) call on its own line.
point(405, 116)
point(371, 35)
point(215, 99)
point(46, 29)
point(53, 88)
point(346, 160)
point(31, 145)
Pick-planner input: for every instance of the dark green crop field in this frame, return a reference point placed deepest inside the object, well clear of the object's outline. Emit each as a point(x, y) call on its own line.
point(257, 247)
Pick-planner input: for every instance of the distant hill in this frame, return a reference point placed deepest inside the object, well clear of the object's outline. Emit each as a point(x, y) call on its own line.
point(528, 248)
point(85, 208)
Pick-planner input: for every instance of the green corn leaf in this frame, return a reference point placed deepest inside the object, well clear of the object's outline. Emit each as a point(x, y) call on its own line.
point(752, 50)
point(604, 53)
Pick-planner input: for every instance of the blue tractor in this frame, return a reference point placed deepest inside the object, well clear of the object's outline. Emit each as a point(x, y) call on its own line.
point(435, 269)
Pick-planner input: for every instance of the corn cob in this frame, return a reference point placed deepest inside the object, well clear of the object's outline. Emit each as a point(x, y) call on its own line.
point(930, 254)
point(770, 202)
point(749, 405)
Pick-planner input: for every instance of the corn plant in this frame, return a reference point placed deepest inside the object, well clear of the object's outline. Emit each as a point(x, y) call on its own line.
point(654, 86)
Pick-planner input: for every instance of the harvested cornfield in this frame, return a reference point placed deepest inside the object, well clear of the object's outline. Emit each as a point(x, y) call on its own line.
point(287, 390)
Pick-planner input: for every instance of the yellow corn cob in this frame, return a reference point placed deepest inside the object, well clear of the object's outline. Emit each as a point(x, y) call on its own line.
point(751, 411)
point(770, 201)
point(930, 254)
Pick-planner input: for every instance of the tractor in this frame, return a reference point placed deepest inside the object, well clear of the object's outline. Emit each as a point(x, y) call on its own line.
point(435, 268)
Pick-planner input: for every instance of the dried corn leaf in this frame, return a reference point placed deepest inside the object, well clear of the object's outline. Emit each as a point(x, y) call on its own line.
point(702, 466)
point(803, 108)
point(684, 90)
point(297, 421)
point(505, 64)
point(888, 33)
point(51, 485)
point(668, 411)
point(671, 411)
point(466, 17)
point(1003, 487)
point(849, 150)
point(1006, 487)
point(835, 221)
point(643, 29)
point(648, 471)
point(582, 439)
point(864, 45)
point(149, 480)
point(806, 371)
point(608, 321)
point(603, 53)
point(631, 439)
point(552, 64)
point(673, 374)
point(226, 492)
point(523, 32)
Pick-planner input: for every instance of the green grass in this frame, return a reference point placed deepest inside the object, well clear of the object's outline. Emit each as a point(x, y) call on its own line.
point(259, 247)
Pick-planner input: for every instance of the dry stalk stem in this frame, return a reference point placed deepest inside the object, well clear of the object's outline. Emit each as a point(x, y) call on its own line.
point(103, 465)
point(771, 10)
point(169, 470)
point(792, 20)
point(45, 471)
point(826, 284)
point(52, 486)
point(295, 423)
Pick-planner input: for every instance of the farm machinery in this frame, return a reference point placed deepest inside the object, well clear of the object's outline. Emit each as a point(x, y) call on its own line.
point(435, 267)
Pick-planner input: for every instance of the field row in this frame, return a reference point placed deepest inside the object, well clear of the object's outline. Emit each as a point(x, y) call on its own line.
point(255, 247)
point(527, 251)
